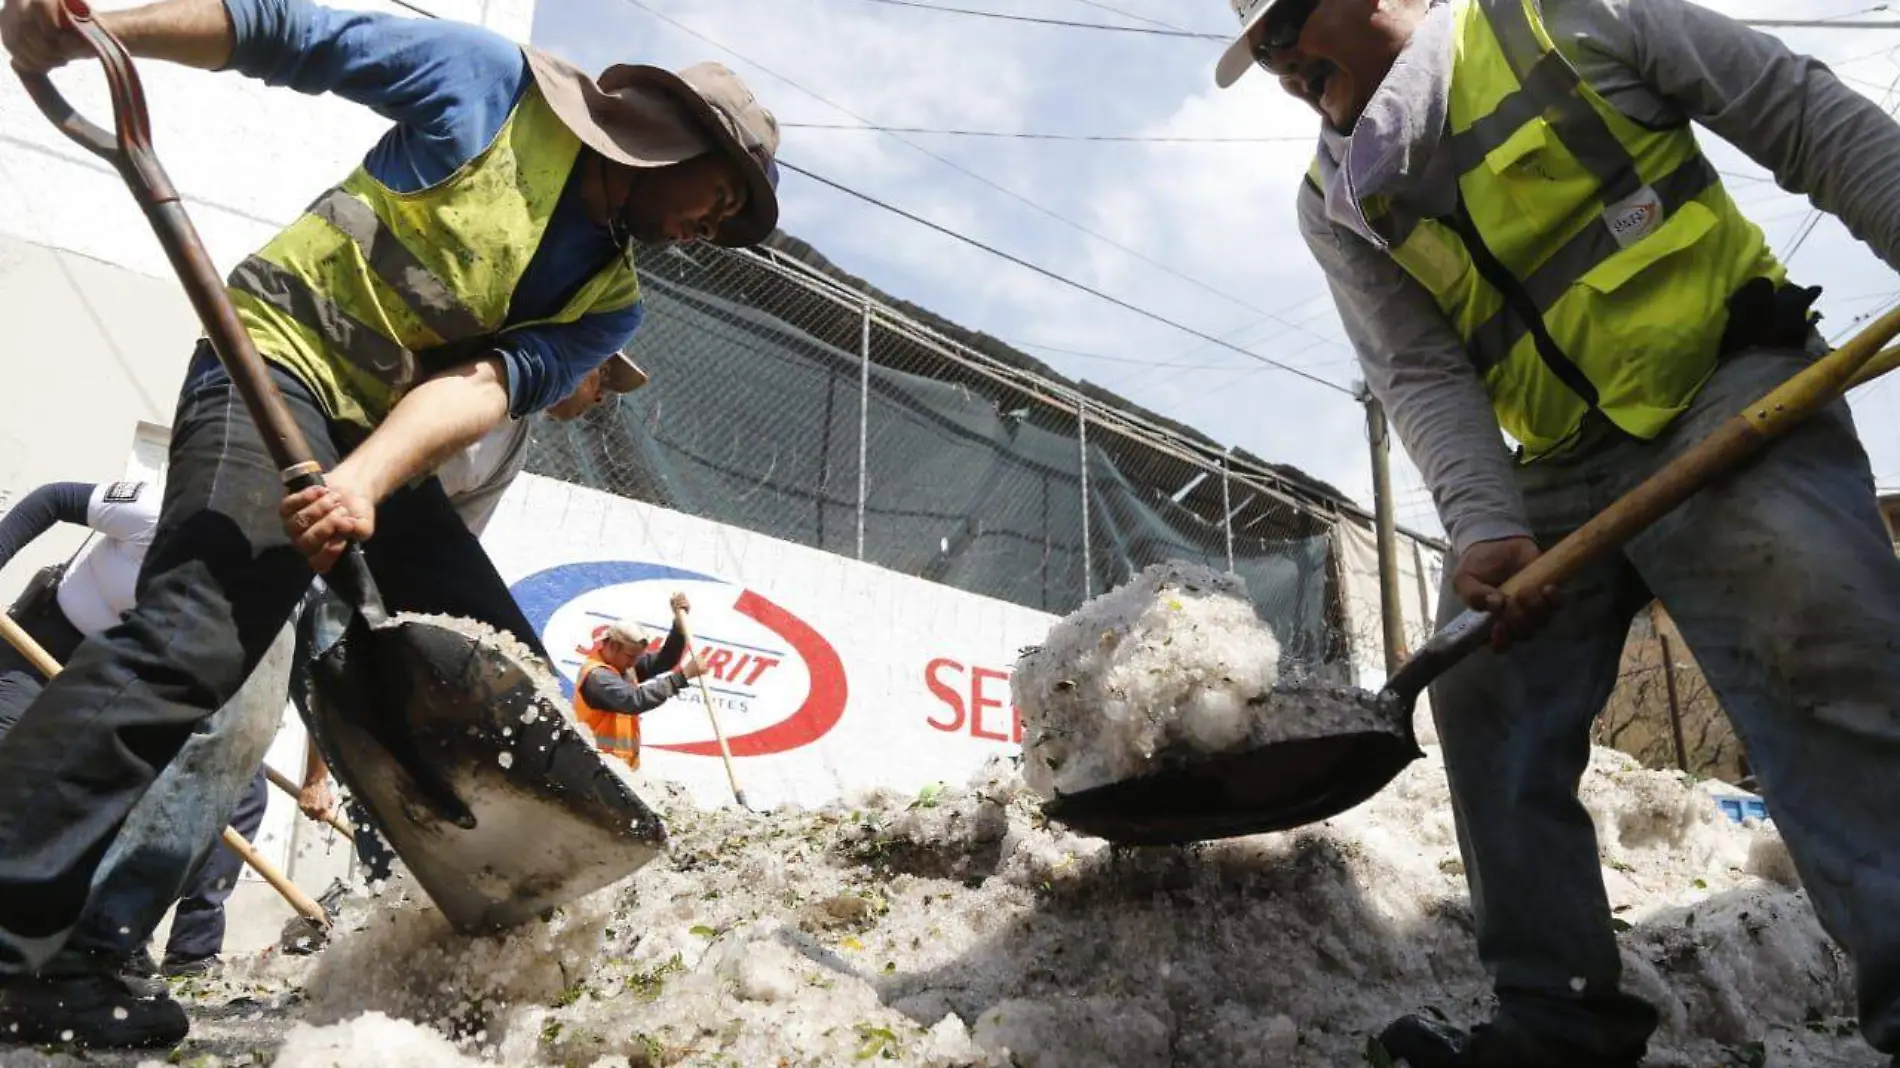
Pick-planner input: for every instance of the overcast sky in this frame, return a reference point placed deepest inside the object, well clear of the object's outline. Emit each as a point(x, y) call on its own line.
point(1207, 231)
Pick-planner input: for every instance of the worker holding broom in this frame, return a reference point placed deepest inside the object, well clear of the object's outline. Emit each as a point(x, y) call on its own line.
point(1523, 235)
point(475, 266)
point(623, 678)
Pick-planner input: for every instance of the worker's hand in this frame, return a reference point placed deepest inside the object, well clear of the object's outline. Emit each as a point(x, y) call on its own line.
point(323, 520)
point(691, 667)
point(317, 799)
point(36, 35)
point(680, 605)
point(1488, 565)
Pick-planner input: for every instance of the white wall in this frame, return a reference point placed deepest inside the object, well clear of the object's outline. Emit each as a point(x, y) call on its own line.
point(830, 675)
point(94, 330)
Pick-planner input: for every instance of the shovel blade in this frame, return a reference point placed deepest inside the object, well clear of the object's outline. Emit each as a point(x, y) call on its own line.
point(1271, 788)
point(1317, 768)
point(497, 805)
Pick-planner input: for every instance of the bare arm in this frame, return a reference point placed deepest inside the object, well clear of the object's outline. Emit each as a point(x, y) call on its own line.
point(433, 422)
point(196, 33)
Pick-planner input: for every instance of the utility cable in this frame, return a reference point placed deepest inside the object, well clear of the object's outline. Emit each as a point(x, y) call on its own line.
point(1053, 276)
point(1012, 194)
point(1031, 136)
point(1773, 24)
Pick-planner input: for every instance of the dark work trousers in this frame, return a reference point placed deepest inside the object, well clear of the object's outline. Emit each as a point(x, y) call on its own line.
point(20, 681)
point(219, 583)
point(198, 925)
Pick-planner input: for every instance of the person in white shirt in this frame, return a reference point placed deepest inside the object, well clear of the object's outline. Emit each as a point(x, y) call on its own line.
point(61, 607)
point(85, 595)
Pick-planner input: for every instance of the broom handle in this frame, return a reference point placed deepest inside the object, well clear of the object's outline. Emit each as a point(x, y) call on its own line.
point(725, 751)
point(17, 637)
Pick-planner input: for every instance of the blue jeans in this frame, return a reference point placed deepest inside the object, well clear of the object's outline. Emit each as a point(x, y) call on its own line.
point(1785, 585)
point(217, 588)
point(198, 926)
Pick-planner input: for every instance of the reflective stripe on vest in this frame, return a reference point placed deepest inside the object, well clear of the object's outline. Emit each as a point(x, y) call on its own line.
point(614, 734)
point(1591, 260)
point(370, 291)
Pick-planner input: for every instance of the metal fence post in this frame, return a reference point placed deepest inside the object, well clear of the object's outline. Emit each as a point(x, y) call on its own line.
point(864, 418)
point(1227, 504)
point(1082, 442)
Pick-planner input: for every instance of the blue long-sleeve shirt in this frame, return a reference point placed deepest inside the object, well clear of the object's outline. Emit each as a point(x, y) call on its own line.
point(447, 87)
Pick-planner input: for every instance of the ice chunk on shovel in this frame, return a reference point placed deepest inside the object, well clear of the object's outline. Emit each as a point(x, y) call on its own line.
point(1315, 758)
point(410, 712)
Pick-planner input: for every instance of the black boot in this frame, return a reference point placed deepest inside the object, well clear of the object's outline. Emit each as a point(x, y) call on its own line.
point(94, 1010)
point(139, 972)
point(1417, 1042)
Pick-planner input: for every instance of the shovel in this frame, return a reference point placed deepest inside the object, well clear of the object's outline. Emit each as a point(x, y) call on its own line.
point(454, 742)
point(1303, 780)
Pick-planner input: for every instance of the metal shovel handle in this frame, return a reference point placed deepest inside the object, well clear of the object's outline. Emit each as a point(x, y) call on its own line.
point(129, 149)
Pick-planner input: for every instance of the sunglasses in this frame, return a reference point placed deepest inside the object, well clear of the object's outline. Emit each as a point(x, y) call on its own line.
point(1281, 31)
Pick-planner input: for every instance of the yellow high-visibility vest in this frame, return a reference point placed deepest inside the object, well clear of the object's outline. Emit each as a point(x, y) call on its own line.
point(1591, 259)
point(371, 291)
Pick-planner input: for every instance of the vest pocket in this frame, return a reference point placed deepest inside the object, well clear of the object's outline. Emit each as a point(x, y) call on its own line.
point(1641, 333)
point(1689, 224)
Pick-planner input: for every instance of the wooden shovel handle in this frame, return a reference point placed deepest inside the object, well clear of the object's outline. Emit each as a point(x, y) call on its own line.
point(282, 782)
point(298, 900)
point(1715, 456)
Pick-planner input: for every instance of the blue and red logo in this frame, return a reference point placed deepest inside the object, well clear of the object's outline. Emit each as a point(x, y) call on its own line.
point(778, 684)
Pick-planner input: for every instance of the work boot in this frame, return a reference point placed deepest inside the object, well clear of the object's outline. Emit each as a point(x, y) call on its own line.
point(1417, 1042)
point(139, 972)
point(189, 967)
point(92, 1011)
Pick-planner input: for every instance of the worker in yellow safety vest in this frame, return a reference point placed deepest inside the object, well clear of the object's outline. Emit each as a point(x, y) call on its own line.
point(1524, 238)
point(612, 691)
point(473, 267)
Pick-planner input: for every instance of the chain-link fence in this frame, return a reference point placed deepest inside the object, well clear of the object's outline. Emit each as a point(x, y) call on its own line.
point(788, 400)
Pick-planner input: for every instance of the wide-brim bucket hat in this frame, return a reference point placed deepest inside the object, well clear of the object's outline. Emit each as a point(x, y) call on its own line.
point(646, 116)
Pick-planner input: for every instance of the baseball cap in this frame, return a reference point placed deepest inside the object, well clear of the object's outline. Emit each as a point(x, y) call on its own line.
point(620, 374)
point(629, 631)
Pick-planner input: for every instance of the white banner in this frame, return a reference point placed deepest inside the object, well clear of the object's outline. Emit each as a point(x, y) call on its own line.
point(829, 675)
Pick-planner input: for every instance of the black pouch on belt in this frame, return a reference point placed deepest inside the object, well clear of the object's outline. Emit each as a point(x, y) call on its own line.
point(39, 593)
point(1764, 315)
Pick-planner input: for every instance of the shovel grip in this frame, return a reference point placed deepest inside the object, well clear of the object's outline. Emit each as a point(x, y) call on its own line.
point(128, 147)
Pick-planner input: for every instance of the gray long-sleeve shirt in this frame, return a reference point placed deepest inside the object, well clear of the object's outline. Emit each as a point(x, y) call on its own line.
point(1660, 62)
point(609, 691)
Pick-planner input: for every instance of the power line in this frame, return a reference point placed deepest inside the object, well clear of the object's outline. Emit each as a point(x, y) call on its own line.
point(1099, 6)
point(1821, 24)
point(1773, 24)
point(1032, 136)
point(959, 168)
point(1051, 275)
point(1152, 32)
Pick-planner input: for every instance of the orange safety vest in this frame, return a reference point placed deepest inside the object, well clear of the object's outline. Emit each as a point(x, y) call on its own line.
point(615, 733)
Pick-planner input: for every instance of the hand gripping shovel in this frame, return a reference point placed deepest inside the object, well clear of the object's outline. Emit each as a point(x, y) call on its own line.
point(456, 747)
point(1303, 780)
